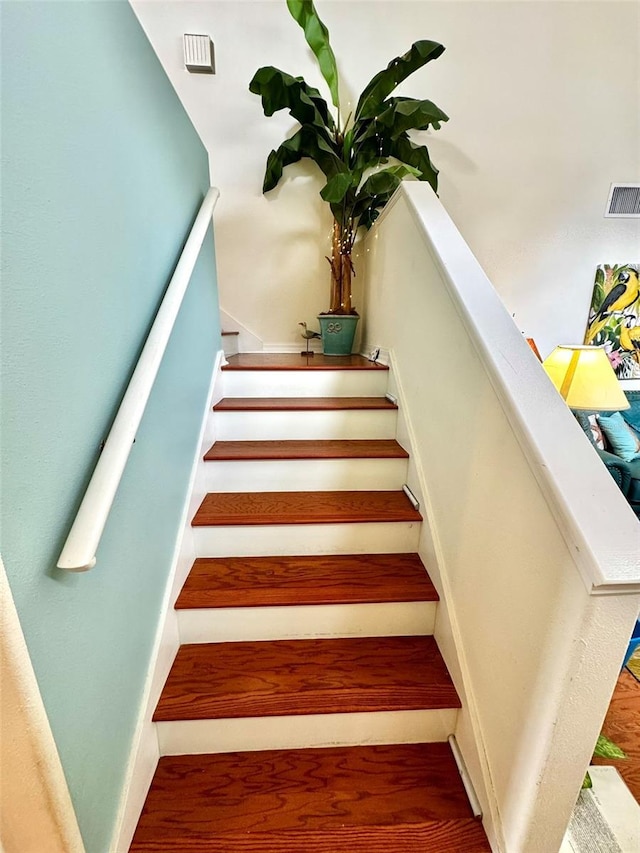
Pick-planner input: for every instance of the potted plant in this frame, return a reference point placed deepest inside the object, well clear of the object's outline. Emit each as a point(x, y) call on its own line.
point(352, 152)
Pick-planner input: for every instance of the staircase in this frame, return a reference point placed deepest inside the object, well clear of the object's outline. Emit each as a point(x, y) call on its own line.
point(308, 706)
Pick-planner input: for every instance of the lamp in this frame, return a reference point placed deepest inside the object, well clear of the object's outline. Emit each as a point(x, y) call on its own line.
point(585, 379)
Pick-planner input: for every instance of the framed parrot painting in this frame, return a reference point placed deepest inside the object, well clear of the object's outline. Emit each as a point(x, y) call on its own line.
point(614, 317)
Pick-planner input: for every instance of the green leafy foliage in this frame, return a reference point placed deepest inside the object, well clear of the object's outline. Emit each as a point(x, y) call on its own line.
point(280, 91)
point(383, 183)
point(337, 187)
point(406, 151)
point(396, 71)
point(307, 142)
point(376, 192)
point(379, 132)
point(402, 114)
point(317, 36)
point(354, 156)
point(606, 748)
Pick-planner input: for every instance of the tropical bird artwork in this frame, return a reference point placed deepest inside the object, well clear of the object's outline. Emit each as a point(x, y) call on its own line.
point(614, 318)
point(622, 293)
point(308, 335)
point(630, 340)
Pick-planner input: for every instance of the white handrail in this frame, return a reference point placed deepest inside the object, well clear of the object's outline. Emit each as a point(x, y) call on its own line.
point(607, 561)
point(79, 552)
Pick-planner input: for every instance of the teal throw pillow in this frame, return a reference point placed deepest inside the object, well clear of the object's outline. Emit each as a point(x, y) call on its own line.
point(622, 438)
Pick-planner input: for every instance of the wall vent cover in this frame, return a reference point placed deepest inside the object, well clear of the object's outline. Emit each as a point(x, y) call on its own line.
point(198, 54)
point(624, 200)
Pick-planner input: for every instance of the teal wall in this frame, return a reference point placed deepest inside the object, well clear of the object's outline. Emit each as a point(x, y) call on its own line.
point(102, 176)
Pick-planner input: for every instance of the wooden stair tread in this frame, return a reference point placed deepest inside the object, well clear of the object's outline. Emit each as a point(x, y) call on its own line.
point(297, 677)
point(273, 581)
point(226, 333)
point(328, 449)
point(294, 361)
point(341, 507)
point(367, 799)
point(301, 404)
point(440, 836)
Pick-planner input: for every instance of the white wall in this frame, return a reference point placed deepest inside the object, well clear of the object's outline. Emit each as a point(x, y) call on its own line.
point(543, 99)
point(525, 528)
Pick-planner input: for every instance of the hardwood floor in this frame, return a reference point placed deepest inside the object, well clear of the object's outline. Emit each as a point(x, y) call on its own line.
point(260, 508)
point(298, 677)
point(293, 361)
point(337, 800)
point(622, 726)
point(325, 579)
point(301, 404)
point(230, 451)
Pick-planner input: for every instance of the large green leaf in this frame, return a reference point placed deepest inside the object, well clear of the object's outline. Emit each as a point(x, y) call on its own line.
point(376, 191)
point(398, 70)
point(317, 36)
point(403, 114)
point(305, 143)
point(380, 182)
point(406, 151)
point(338, 186)
point(371, 151)
point(280, 91)
point(377, 150)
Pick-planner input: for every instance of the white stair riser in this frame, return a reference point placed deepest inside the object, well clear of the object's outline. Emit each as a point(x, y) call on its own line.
point(185, 737)
point(290, 475)
point(299, 539)
point(303, 383)
point(283, 426)
point(237, 624)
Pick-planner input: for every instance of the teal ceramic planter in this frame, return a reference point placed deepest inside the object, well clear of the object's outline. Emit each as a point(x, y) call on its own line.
point(338, 332)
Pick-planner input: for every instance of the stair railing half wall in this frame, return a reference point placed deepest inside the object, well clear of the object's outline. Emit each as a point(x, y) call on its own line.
point(534, 551)
point(79, 551)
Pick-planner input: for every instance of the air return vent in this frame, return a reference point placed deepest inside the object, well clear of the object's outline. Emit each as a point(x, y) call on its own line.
point(198, 54)
point(624, 200)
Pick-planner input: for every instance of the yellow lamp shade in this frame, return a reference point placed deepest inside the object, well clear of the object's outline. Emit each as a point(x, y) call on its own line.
point(585, 379)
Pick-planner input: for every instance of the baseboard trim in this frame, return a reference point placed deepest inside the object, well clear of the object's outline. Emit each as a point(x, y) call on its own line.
point(314, 346)
point(145, 752)
point(367, 349)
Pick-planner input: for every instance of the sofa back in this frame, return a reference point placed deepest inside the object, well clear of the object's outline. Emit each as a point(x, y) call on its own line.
point(631, 416)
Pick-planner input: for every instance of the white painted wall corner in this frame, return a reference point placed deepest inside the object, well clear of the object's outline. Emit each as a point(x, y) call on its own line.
point(36, 812)
point(248, 341)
